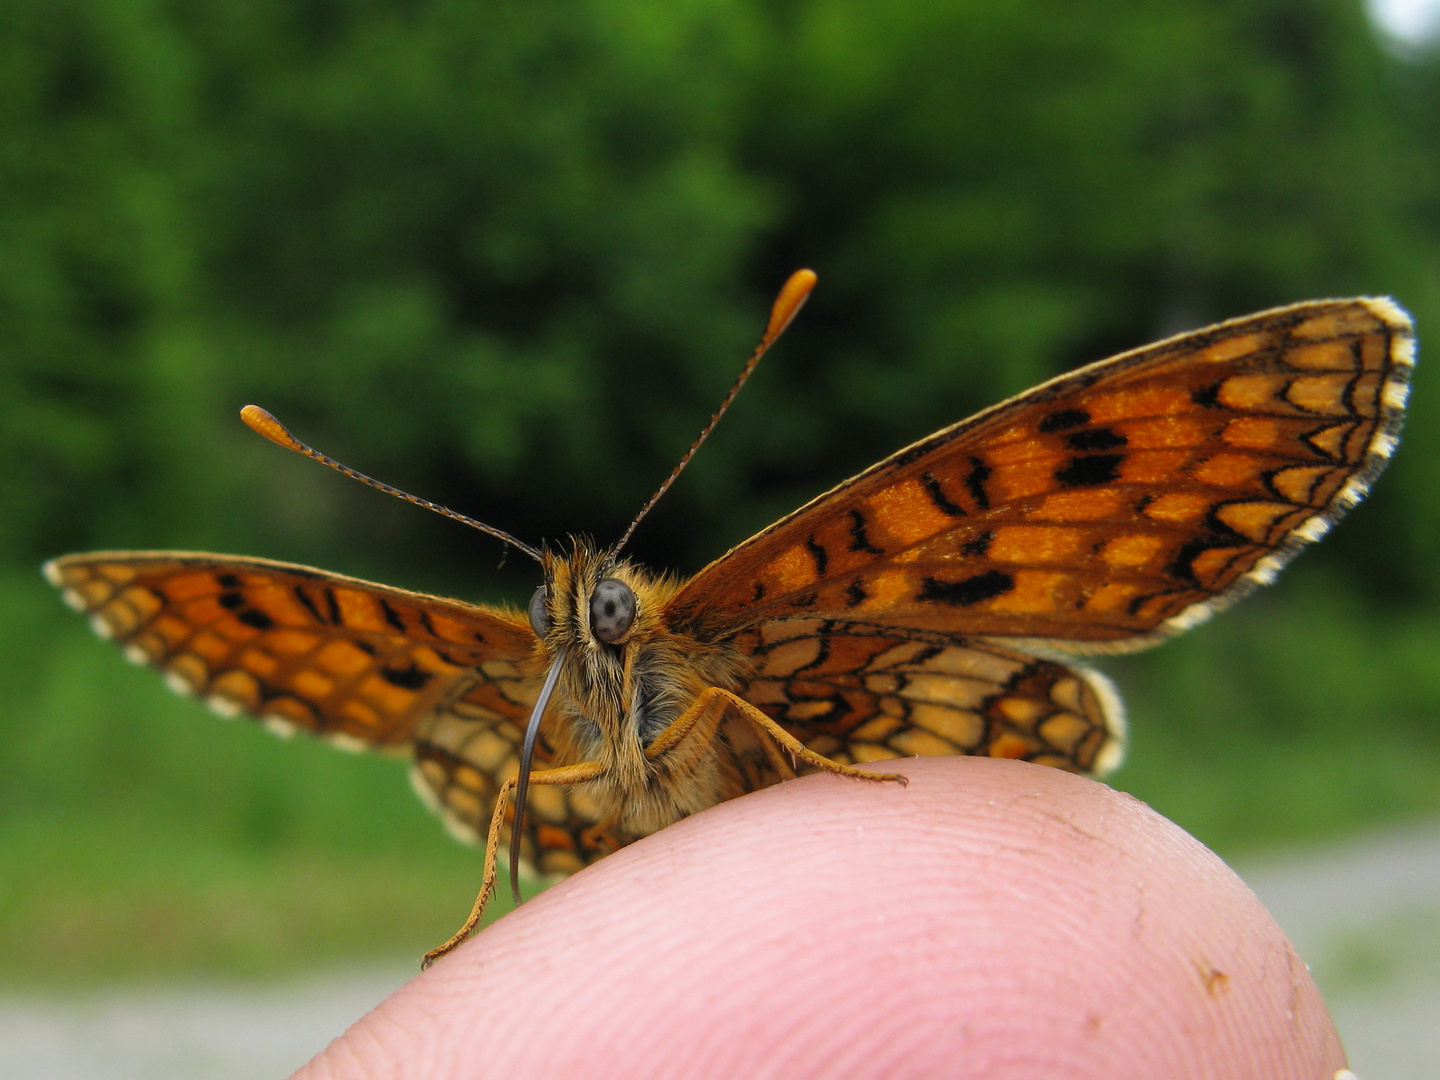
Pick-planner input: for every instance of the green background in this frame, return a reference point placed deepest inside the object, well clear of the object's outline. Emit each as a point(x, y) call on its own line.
point(508, 255)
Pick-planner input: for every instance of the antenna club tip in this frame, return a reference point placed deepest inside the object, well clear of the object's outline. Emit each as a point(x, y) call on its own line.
point(263, 423)
point(793, 295)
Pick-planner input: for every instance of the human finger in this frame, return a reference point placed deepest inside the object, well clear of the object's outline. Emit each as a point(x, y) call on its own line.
point(992, 919)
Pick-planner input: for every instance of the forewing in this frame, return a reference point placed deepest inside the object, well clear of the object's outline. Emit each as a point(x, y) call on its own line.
point(296, 647)
point(856, 692)
point(1104, 509)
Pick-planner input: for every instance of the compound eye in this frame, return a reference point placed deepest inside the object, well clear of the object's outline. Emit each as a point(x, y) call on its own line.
point(539, 617)
point(612, 610)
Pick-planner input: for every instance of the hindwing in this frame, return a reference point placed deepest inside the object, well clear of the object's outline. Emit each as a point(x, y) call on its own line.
point(857, 692)
point(467, 748)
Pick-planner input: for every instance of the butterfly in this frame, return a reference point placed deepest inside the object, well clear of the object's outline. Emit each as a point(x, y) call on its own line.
point(928, 606)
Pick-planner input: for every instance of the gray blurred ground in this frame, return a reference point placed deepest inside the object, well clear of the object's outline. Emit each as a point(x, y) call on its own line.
point(1365, 916)
point(196, 1032)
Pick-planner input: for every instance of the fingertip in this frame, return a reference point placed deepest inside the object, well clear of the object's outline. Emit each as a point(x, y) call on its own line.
point(993, 918)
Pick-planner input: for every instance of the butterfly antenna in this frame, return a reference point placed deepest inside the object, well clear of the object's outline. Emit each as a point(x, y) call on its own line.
point(259, 420)
point(792, 298)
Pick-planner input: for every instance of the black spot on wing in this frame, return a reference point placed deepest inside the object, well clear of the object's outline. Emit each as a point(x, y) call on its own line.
point(854, 594)
point(228, 581)
point(975, 482)
point(407, 678)
point(258, 619)
point(1085, 471)
point(308, 604)
point(1063, 420)
point(858, 540)
point(822, 559)
point(333, 606)
point(234, 601)
point(392, 616)
point(938, 497)
point(1095, 439)
point(1208, 396)
point(969, 591)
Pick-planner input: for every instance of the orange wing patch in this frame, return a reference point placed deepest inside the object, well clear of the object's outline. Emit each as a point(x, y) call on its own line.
point(856, 692)
point(357, 662)
point(1106, 508)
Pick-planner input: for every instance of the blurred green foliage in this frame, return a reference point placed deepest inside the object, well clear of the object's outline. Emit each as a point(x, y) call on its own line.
point(508, 256)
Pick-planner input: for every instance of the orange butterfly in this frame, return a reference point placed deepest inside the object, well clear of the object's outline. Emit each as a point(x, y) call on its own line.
point(913, 610)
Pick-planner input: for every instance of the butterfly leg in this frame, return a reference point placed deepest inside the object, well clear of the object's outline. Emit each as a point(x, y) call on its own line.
point(564, 776)
point(711, 702)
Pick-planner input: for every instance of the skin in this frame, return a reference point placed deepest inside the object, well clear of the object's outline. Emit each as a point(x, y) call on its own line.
point(993, 919)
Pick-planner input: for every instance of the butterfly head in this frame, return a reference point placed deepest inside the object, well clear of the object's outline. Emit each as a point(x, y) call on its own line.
point(590, 604)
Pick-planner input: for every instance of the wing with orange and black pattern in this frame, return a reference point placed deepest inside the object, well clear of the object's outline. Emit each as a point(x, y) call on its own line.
point(858, 692)
point(1100, 512)
point(359, 664)
point(1103, 510)
point(466, 748)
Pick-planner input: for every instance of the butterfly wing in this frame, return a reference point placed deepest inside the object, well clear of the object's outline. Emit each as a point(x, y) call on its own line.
point(466, 748)
point(1103, 510)
point(858, 692)
point(298, 647)
point(360, 664)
